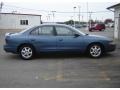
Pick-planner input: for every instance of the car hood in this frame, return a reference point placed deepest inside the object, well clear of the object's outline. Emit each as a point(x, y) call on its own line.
point(11, 34)
point(98, 37)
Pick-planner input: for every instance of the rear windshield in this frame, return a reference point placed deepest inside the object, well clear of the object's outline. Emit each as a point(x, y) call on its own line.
point(27, 29)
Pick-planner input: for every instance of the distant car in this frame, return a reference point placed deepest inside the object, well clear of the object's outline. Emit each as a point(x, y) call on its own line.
point(111, 25)
point(56, 38)
point(84, 25)
point(99, 27)
point(78, 26)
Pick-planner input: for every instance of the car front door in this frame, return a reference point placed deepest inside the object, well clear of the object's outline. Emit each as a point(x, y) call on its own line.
point(43, 38)
point(66, 39)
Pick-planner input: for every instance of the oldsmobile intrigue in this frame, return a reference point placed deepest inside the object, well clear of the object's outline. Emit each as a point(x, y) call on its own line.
point(56, 38)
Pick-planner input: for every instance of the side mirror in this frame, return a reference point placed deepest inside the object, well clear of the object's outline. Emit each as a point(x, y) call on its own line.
point(76, 35)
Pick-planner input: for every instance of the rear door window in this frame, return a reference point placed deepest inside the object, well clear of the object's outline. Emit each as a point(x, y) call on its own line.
point(44, 30)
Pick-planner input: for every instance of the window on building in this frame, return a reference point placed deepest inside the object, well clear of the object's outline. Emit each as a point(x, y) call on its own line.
point(23, 22)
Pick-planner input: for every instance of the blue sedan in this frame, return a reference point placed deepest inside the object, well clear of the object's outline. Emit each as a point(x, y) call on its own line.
point(56, 38)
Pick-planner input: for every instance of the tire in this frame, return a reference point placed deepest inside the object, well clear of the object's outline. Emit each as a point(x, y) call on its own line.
point(95, 51)
point(26, 52)
point(103, 30)
point(90, 30)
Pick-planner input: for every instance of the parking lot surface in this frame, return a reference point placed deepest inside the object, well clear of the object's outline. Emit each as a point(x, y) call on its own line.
point(60, 70)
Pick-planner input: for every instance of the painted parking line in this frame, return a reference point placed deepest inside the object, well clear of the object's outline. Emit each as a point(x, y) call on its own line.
point(103, 72)
point(104, 75)
point(60, 73)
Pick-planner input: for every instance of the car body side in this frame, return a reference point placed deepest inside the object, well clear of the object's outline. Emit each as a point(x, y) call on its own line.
point(50, 43)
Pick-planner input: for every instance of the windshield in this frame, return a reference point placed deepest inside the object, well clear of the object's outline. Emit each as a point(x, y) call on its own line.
point(79, 31)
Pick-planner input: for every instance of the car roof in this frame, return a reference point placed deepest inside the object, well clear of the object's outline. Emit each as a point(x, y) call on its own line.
point(54, 24)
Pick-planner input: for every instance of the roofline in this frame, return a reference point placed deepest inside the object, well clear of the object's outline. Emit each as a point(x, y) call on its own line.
point(22, 14)
point(113, 6)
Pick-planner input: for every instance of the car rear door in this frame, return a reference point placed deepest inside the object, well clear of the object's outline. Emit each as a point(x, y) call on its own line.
point(43, 38)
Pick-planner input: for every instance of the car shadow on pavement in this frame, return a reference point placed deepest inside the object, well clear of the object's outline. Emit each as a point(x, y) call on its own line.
point(69, 56)
point(59, 56)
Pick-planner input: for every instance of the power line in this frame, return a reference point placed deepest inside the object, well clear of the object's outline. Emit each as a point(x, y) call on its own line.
point(26, 8)
point(56, 11)
point(85, 12)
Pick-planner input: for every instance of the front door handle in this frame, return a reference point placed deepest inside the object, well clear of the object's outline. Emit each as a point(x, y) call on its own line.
point(32, 40)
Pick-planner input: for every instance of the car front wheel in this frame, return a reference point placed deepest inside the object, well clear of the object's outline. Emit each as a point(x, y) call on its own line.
point(95, 51)
point(26, 52)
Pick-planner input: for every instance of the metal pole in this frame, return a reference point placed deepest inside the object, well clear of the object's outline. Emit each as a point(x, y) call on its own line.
point(1, 6)
point(49, 17)
point(87, 18)
point(79, 14)
point(74, 15)
point(53, 12)
point(41, 20)
point(71, 19)
point(90, 13)
point(82, 18)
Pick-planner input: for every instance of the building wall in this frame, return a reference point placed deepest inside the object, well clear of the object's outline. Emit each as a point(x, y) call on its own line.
point(11, 21)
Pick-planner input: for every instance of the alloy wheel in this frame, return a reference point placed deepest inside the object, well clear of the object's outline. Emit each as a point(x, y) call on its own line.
point(26, 52)
point(95, 51)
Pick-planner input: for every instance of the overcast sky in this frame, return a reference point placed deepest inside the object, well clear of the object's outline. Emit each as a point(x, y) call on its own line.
point(44, 7)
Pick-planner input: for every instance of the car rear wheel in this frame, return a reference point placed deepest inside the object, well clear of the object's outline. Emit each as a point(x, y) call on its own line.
point(95, 51)
point(26, 52)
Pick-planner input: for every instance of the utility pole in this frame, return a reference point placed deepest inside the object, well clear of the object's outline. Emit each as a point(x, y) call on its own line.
point(79, 14)
point(1, 6)
point(74, 15)
point(53, 12)
point(87, 17)
point(49, 17)
point(82, 19)
point(71, 18)
point(90, 13)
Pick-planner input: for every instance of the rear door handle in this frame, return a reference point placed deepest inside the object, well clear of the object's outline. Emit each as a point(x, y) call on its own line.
point(60, 39)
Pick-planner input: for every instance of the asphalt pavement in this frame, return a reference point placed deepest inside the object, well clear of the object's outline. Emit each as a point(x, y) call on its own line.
point(60, 70)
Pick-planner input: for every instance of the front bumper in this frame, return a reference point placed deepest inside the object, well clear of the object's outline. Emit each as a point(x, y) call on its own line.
point(111, 47)
point(10, 48)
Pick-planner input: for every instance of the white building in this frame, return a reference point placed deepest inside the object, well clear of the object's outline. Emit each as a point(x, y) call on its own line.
point(18, 21)
point(116, 10)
